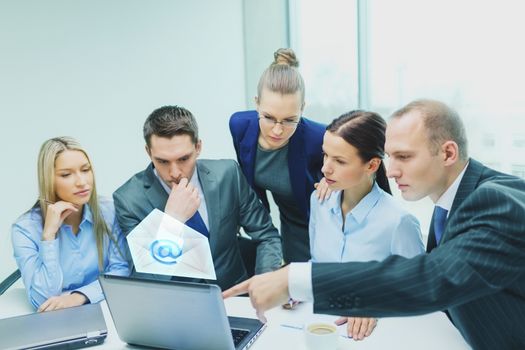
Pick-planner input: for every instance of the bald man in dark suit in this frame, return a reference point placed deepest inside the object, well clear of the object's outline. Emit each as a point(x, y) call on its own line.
point(475, 267)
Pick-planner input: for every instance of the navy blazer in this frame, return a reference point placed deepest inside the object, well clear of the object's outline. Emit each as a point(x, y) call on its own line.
point(476, 272)
point(305, 156)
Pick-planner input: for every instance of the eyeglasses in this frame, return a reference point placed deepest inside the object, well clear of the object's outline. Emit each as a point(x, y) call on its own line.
point(270, 121)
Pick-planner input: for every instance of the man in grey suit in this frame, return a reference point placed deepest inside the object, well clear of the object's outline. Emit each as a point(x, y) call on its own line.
point(212, 196)
point(476, 270)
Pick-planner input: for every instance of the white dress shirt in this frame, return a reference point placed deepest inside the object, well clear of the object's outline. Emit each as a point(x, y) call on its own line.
point(447, 198)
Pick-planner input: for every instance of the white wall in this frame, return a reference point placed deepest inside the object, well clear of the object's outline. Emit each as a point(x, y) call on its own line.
point(94, 70)
point(265, 31)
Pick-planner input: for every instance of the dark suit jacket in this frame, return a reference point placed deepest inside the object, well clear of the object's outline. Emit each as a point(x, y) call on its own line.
point(230, 203)
point(305, 160)
point(476, 273)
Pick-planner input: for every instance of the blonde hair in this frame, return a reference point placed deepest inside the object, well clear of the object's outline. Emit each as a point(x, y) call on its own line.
point(49, 152)
point(282, 75)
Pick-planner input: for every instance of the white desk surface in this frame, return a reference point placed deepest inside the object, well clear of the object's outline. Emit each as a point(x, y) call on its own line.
point(431, 331)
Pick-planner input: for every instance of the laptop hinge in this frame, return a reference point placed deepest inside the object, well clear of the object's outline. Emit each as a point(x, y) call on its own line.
point(93, 334)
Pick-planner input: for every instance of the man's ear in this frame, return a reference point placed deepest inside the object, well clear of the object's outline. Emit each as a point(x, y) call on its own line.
point(198, 147)
point(147, 150)
point(450, 152)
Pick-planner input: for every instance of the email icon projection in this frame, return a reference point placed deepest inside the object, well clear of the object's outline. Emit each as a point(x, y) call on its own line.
point(162, 245)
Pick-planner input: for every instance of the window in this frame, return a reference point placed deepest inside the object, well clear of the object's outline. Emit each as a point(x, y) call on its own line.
point(323, 34)
point(518, 170)
point(467, 54)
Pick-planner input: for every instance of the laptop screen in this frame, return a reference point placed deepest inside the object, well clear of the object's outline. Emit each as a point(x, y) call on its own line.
point(173, 314)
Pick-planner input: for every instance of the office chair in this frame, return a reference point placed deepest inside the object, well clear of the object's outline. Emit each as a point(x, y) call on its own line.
point(9, 281)
point(248, 253)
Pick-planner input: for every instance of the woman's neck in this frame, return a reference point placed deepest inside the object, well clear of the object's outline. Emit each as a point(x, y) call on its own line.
point(74, 220)
point(352, 196)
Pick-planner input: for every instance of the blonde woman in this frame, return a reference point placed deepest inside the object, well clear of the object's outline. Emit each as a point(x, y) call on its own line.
point(70, 235)
point(280, 151)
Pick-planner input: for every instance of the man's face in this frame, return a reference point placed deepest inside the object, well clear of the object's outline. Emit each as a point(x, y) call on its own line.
point(417, 171)
point(174, 158)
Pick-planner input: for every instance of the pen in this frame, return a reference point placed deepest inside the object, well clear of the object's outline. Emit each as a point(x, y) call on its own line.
point(45, 200)
point(292, 326)
point(50, 202)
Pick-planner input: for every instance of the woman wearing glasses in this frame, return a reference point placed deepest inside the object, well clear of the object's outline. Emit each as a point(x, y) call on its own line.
point(360, 221)
point(70, 235)
point(280, 151)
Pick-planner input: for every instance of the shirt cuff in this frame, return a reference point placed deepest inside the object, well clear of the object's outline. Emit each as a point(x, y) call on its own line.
point(92, 292)
point(300, 281)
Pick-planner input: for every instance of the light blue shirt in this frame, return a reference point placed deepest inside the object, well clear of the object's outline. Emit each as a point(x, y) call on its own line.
point(374, 229)
point(70, 262)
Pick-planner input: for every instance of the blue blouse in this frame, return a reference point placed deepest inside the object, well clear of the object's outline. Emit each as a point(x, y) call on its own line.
point(374, 229)
point(70, 262)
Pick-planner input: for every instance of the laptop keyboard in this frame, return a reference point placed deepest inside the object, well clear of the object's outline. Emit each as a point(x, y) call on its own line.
point(238, 335)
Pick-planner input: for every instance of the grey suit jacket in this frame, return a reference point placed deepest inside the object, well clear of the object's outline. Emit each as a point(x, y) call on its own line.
point(476, 273)
point(230, 202)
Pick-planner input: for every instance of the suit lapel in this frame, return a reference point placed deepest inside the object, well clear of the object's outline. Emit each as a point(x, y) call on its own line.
point(212, 196)
point(248, 146)
point(431, 241)
point(297, 166)
point(155, 193)
point(468, 184)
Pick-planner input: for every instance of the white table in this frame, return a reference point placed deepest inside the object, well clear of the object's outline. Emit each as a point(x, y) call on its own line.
point(432, 331)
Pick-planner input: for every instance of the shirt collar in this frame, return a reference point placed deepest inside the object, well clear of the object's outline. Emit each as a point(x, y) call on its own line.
point(87, 215)
point(447, 198)
point(361, 210)
point(194, 180)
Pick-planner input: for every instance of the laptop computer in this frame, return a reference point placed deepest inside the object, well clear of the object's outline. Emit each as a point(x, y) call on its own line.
point(175, 315)
point(70, 328)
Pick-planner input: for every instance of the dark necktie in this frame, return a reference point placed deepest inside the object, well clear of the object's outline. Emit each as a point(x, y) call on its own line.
point(439, 216)
point(196, 223)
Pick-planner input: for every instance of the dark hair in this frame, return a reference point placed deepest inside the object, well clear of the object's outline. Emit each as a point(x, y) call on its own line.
point(366, 132)
point(442, 124)
point(169, 121)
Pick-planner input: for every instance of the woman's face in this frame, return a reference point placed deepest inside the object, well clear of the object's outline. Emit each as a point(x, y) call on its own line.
point(278, 117)
point(73, 177)
point(342, 167)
